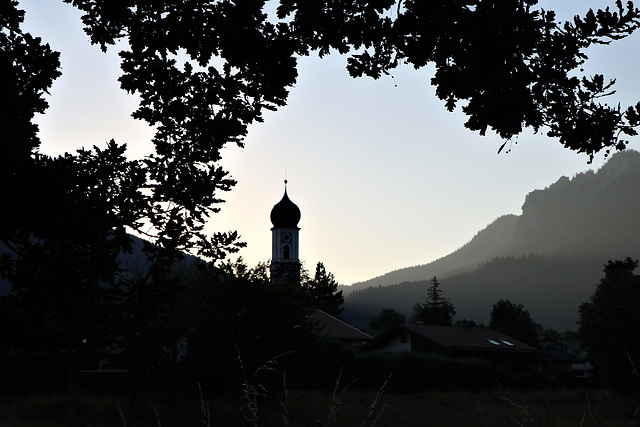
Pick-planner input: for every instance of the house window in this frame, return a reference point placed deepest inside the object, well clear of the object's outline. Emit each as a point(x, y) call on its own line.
point(404, 338)
point(285, 252)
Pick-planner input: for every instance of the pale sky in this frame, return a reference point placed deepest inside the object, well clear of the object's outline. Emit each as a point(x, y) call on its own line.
point(384, 176)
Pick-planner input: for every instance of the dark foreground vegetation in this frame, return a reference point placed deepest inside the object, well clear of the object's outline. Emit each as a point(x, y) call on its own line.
point(497, 407)
point(348, 389)
point(197, 344)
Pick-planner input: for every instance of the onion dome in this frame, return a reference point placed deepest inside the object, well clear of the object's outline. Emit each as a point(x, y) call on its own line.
point(285, 214)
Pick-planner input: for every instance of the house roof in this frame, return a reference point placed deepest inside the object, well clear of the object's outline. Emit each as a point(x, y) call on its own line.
point(336, 328)
point(467, 338)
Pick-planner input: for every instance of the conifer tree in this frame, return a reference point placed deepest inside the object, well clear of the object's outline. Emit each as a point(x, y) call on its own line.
point(323, 291)
point(436, 310)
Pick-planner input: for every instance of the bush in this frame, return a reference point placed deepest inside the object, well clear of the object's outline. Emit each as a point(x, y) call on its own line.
point(411, 372)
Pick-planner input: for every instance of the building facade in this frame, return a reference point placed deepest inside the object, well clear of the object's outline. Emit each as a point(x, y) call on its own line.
point(285, 241)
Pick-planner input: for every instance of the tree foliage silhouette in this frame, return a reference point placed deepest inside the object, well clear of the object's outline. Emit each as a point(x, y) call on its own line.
point(71, 215)
point(388, 318)
point(323, 291)
point(436, 310)
point(513, 320)
point(514, 65)
point(237, 309)
point(609, 324)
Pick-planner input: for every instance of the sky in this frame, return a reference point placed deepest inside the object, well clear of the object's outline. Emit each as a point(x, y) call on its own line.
point(384, 175)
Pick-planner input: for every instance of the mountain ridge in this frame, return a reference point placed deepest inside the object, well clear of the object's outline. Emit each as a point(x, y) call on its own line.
point(504, 229)
point(565, 234)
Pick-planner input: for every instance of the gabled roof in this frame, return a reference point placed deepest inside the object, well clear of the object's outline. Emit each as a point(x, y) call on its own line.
point(467, 338)
point(336, 328)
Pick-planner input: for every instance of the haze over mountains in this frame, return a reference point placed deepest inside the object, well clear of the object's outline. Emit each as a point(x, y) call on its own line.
point(549, 259)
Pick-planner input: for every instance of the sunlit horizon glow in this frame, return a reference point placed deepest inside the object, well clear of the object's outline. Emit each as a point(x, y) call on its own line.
point(384, 176)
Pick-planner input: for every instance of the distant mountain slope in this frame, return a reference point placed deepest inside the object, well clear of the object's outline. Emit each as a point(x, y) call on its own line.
point(134, 262)
point(496, 237)
point(591, 214)
point(549, 258)
point(551, 289)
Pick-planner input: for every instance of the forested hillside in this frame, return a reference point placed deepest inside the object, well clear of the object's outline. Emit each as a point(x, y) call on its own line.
point(493, 239)
point(551, 289)
point(549, 258)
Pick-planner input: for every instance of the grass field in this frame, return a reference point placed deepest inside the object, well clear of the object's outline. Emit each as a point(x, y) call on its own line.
point(351, 408)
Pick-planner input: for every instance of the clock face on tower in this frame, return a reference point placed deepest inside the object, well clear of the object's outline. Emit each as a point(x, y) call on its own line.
point(286, 237)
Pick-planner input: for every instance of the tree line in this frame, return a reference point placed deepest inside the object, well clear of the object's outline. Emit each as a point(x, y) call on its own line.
point(506, 317)
point(608, 324)
point(195, 319)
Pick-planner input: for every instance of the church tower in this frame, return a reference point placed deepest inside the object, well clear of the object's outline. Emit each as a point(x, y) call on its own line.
point(285, 264)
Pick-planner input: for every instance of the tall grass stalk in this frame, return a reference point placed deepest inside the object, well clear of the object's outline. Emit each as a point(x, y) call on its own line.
point(124, 422)
point(251, 392)
point(285, 402)
point(548, 408)
point(206, 410)
point(526, 416)
point(375, 403)
point(634, 371)
point(336, 402)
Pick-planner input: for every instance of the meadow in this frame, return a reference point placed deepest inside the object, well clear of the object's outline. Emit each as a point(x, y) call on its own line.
point(576, 407)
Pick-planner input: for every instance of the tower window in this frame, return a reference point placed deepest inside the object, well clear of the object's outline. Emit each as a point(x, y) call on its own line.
point(285, 252)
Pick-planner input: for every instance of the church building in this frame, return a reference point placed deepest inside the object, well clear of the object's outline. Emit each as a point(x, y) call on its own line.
point(285, 263)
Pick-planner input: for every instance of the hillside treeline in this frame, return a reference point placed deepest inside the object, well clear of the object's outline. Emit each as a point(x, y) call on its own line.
point(551, 288)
